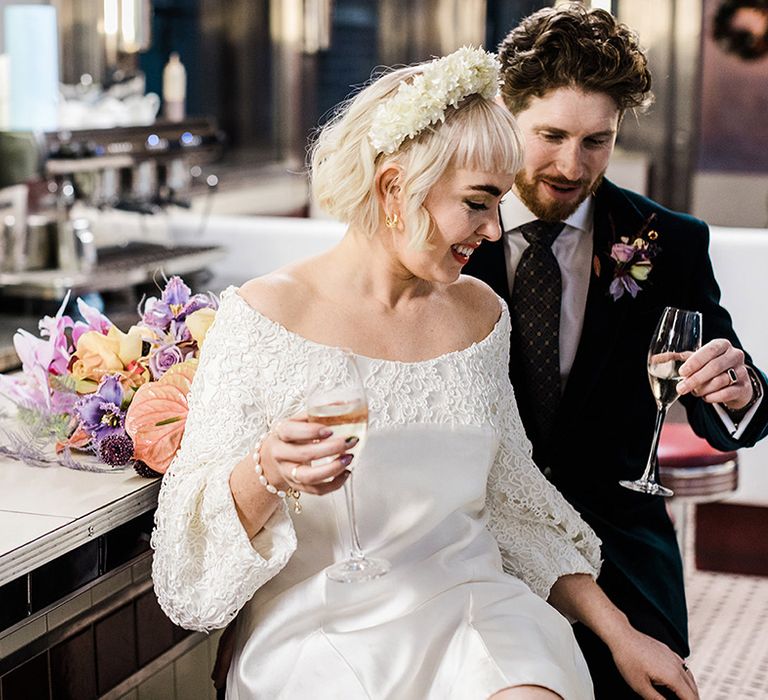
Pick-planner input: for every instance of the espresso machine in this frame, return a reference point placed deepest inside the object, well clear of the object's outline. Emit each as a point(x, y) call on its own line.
point(47, 245)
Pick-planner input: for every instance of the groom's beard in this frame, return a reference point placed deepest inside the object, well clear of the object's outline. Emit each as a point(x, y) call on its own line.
point(552, 210)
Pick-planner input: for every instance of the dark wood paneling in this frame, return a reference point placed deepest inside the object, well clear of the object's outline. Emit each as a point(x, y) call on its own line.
point(731, 537)
point(154, 629)
point(29, 681)
point(115, 648)
point(73, 671)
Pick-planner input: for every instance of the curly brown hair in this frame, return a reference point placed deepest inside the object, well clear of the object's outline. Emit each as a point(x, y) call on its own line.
point(571, 46)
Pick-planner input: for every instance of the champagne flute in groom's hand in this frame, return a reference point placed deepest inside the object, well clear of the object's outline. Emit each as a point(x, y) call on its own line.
point(677, 337)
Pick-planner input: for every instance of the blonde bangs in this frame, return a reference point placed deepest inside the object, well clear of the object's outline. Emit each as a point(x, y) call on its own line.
point(494, 144)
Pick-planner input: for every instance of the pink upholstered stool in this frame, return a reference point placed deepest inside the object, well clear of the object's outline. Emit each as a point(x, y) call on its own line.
point(694, 470)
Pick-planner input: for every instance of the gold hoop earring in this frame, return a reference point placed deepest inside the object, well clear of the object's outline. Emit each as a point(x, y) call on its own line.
point(391, 221)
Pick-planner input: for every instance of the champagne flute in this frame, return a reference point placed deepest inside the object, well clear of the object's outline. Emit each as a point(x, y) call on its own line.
point(336, 398)
point(677, 337)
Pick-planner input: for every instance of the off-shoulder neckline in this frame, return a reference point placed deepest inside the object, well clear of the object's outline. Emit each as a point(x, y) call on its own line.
point(472, 348)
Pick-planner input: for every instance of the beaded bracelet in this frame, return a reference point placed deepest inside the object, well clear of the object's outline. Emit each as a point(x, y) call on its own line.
point(289, 492)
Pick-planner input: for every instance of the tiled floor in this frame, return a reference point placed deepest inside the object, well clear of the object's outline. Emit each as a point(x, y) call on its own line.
point(729, 635)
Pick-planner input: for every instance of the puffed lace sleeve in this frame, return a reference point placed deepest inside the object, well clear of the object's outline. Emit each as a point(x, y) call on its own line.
point(540, 535)
point(205, 568)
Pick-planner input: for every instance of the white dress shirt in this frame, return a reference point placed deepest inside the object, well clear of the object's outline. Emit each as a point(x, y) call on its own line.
point(573, 252)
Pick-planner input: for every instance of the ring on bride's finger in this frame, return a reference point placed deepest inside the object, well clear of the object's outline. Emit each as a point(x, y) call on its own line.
point(732, 376)
point(685, 667)
point(293, 475)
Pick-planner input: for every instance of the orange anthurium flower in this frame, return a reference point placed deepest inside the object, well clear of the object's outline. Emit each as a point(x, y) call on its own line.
point(158, 414)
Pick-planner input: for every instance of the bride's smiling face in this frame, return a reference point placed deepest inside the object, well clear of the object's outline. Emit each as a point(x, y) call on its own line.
point(464, 210)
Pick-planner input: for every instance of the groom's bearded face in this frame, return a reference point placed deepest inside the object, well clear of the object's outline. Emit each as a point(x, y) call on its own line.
point(569, 137)
point(549, 209)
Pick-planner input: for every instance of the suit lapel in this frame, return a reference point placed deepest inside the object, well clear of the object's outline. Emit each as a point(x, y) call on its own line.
point(604, 318)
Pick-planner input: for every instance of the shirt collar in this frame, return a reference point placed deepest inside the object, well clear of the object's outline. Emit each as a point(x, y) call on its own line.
point(514, 214)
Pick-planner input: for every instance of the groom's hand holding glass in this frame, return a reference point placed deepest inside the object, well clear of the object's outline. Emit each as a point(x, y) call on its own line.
point(716, 373)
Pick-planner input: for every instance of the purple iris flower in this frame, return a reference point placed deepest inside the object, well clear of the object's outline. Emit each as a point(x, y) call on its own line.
point(621, 284)
point(156, 314)
point(101, 413)
point(176, 293)
point(200, 301)
point(175, 304)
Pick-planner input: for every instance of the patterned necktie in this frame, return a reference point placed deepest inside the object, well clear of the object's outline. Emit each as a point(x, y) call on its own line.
point(535, 309)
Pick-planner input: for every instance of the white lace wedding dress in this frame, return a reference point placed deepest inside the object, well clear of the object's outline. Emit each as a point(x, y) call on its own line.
point(445, 489)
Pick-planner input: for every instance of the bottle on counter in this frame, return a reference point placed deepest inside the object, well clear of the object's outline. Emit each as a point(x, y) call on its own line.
point(174, 88)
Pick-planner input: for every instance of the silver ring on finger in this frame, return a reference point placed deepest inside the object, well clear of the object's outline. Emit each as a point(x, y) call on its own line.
point(276, 430)
point(732, 376)
point(685, 667)
point(294, 476)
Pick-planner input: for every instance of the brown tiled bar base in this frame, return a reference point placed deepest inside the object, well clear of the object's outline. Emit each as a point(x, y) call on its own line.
point(100, 650)
point(87, 624)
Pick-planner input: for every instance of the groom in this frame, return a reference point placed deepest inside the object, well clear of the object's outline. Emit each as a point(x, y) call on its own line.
point(587, 269)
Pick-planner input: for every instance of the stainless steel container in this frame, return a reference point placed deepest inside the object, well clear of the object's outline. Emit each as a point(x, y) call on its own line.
point(8, 244)
point(76, 246)
point(37, 243)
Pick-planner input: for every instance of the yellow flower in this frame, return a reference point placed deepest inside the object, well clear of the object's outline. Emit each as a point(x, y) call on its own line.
point(99, 355)
point(641, 270)
point(198, 323)
point(97, 351)
point(128, 344)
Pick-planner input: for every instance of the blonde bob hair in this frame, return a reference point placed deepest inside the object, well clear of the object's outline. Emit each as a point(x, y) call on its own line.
point(477, 134)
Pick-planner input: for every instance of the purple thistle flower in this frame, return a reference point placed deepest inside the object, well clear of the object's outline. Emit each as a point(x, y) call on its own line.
point(101, 413)
point(115, 449)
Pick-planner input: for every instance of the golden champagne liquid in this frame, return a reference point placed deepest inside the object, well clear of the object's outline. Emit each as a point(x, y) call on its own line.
point(664, 378)
point(345, 418)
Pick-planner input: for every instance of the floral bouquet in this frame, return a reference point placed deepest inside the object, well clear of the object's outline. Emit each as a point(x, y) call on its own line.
point(86, 385)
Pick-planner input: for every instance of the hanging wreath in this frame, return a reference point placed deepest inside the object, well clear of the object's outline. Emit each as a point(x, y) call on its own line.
point(741, 28)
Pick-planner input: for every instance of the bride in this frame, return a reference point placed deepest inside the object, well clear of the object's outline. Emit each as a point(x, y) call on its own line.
point(478, 540)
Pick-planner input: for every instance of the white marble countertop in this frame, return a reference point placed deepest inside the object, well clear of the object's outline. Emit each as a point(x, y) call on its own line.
point(48, 511)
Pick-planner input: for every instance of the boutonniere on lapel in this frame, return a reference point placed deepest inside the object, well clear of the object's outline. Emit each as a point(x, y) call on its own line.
point(632, 260)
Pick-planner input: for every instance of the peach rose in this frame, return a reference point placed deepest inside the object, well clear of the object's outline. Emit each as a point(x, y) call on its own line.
point(98, 355)
point(198, 323)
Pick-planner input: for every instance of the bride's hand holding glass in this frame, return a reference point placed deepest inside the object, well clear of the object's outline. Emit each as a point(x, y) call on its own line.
point(293, 445)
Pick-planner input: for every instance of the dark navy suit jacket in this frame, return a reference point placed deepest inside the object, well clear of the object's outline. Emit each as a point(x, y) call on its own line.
point(606, 416)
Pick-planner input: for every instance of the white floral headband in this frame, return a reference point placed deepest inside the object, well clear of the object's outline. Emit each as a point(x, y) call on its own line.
point(443, 83)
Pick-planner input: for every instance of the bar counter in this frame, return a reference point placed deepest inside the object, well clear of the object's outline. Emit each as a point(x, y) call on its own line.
point(78, 616)
point(46, 512)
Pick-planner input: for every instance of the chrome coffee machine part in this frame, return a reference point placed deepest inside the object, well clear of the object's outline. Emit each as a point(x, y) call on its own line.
point(147, 161)
point(137, 169)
